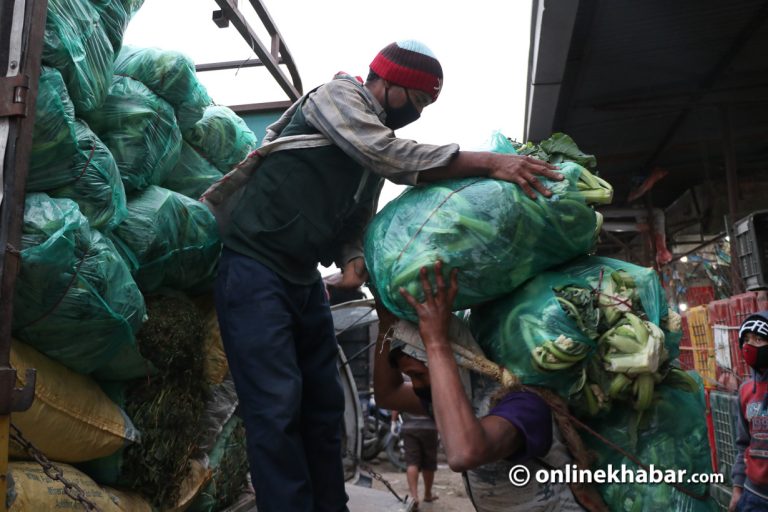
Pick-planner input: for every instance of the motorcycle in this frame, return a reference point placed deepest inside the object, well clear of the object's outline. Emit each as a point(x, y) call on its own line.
point(394, 445)
point(376, 429)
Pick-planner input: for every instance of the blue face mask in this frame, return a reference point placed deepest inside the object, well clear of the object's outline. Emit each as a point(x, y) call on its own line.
point(401, 116)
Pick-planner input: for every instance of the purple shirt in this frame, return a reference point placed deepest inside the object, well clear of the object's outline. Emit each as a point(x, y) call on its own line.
point(532, 418)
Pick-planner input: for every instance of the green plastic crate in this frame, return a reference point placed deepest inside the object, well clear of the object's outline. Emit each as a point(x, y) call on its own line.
point(724, 420)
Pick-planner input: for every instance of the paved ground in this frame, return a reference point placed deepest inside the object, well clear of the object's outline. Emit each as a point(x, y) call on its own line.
point(448, 487)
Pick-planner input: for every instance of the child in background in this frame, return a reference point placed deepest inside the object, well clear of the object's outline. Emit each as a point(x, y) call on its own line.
point(750, 470)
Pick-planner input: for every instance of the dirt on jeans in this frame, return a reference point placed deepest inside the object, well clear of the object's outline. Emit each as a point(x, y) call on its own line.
point(448, 486)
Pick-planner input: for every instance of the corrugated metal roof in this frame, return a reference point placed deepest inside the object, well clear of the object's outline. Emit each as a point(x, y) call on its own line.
point(644, 81)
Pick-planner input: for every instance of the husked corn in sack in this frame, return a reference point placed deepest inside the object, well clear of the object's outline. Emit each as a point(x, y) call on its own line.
point(222, 137)
point(71, 418)
point(75, 299)
point(140, 130)
point(168, 240)
point(490, 230)
point(169, 74)
point(597, 330)
point(77, 44)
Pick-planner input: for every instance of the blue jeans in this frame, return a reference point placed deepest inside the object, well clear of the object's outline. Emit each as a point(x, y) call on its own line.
point(282, 353)
point(751, 502)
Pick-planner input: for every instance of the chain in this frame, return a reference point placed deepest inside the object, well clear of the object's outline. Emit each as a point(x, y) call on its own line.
point(52, 471)
point(383, 480)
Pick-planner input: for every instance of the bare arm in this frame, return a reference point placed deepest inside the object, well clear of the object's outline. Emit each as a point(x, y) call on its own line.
point(389, 388)
point(522, 170)
point(469, 442)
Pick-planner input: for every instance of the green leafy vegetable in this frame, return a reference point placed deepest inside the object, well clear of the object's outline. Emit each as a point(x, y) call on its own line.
point(140, 130)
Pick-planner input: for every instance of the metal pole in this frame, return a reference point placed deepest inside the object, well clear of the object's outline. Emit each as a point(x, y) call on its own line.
point(22, 27)
point(732, 182)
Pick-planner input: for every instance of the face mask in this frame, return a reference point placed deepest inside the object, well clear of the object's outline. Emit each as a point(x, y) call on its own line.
point(401, 116)
point(756, 357)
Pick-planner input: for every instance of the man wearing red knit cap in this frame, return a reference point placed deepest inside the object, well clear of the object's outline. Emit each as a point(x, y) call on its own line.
point(309, 204)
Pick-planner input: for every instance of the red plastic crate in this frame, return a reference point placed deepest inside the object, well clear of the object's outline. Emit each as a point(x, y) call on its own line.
point(762, 300)
point(699, 295)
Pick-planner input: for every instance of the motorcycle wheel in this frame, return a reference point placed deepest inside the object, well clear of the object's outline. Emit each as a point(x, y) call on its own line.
point(372, 442)
point(396, 451)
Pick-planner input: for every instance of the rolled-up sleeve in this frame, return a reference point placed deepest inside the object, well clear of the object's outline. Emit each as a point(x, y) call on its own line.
point(345, 113)
point(532, 417)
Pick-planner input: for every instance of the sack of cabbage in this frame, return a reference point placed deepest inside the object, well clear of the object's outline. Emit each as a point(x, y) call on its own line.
point(490, 230)
point(597, 330)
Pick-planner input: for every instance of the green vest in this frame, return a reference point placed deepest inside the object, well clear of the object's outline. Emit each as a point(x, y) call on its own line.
point(292, 213)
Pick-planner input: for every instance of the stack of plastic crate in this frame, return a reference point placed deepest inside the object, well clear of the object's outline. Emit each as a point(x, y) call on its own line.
point(720, 320)
point(723, 406)
point(752, 249)
point(703, 345)
point(686, 350)
point(699, 295)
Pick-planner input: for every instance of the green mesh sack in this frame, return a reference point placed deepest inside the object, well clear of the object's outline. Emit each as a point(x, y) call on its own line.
point(54, 142)
point(95, 182)
point(114, 17)
point(68, 159)
point(169, 74)
point(192, 175)
point(672, 435)
point(76, 44)
point(490, 230)
point(570, 305)
point(140, 130)
point(169, 241)
point(222, 137)
point(75, 299)
point(229, 462)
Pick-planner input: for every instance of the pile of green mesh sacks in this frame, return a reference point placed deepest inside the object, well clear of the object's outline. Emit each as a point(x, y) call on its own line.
point(118, 255)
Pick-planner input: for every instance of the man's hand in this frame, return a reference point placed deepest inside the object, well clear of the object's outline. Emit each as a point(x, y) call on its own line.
point(435, 312)
point(523, 170)
point(735, 497)
point(354, 275)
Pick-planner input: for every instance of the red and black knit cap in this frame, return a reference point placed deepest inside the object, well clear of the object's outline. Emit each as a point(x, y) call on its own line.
point(410, 64)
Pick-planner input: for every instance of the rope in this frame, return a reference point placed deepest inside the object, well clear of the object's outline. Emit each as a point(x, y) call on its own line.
point(66, 291)
point(610, 444)
point(87, 163)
